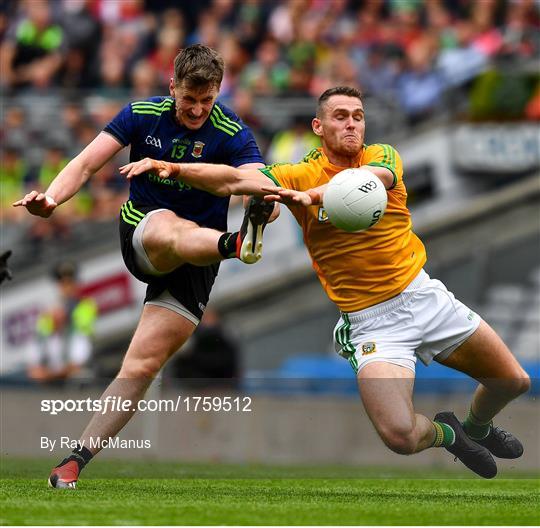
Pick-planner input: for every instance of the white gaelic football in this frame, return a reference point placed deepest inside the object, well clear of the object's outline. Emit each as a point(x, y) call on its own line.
point(355, 200)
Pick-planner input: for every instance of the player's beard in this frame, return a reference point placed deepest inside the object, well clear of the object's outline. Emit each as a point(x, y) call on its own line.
point(350, 148)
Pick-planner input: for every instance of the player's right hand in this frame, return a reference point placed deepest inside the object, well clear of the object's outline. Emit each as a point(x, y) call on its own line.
point(38, 204)
point(163, 169)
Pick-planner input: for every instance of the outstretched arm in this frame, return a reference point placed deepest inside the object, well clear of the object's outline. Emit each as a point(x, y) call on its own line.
point(291, 197)
point(314, 196)
point(221, 180)
point(72, 177)
point(224, 180)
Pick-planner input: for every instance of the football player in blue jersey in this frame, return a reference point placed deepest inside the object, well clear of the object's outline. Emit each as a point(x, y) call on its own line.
point(173, 236)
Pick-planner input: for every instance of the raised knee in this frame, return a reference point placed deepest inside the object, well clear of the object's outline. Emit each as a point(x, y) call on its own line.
point(158, 243)
point(518, 384)
point(159, 230)
point(512, 386)
point(522, 384)
point(168, 241)
point(400, 440)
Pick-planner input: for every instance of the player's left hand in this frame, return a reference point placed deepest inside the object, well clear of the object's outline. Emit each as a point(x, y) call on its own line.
point(287, 196)
point(5, 272)
point(163, 169)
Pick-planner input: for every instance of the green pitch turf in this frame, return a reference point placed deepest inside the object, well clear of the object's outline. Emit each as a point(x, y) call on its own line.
point(127, 493)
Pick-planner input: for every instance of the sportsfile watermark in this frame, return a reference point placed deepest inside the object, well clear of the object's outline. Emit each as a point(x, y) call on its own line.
point(307, 421)
point(188, 404)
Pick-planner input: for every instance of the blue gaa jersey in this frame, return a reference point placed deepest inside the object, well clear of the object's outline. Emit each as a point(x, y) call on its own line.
point(152, 131)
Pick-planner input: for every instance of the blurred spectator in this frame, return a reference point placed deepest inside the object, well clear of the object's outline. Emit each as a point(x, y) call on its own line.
point(103, 110)
point(144, 80)
point(107, 191)
point(63, 331)
point(101, 42)
point(389, 37)
point(412, 51)
point(267, 75)
point(113, 12)
point(210, 357)
point(82, 31)
point(338, 70)
point(379, 71)
point(420, 88)
point(173, 18)
point(59, 226)
point(54, 160)
point(439, 21)
point(224, 12)
point(337, 22)
point(235, 57)
point(532, 110)
point(293, 144)
point(14, 126)
point(4, 20)
point(461, 63)
point(13, 175)
point(406, 15)
point(127, 32)
point(487, 39)
point(169, 42)
point(112, 71)
point(73, 119)
point(369, 25)
point(304, 54)
point(169, 38)
point(520, 34)
point(33, 51)
point(207, 31)
point(244, 106)
point(284, 20)
point(250, 24)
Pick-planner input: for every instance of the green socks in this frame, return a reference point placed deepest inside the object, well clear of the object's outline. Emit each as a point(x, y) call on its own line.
point(444, 435)
point(475, 428)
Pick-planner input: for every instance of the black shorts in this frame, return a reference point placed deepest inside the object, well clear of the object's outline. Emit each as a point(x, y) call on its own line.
point(190, 285)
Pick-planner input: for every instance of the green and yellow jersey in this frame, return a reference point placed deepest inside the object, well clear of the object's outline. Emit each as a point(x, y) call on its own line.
point(357, 270)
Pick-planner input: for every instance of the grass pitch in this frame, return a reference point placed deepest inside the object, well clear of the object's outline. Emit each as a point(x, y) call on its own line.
point(139, 493)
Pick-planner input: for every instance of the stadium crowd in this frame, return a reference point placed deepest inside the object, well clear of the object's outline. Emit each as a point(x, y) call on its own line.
point(68, 67)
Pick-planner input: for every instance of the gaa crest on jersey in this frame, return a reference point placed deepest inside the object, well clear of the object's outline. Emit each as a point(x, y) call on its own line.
point(197, 149)
point(153, 141)
point(322, 215)
point(368, 348)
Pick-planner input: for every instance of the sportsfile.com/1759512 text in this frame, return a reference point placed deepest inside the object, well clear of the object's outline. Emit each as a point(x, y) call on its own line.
point(119, 404)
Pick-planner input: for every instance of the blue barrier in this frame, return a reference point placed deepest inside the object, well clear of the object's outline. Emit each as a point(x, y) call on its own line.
point(317, 374)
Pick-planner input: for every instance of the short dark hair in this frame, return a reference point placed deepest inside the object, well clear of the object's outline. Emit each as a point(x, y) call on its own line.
point(198, 65)
point(349, 91)
point(64, 270)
